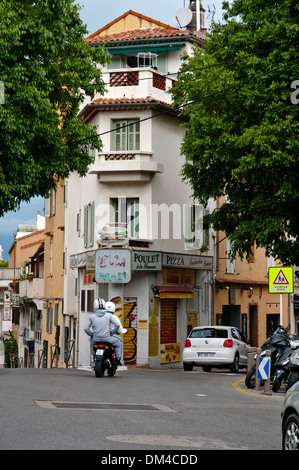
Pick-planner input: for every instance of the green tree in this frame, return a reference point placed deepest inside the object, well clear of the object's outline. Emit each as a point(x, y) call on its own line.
point(45, 66)
point(243, 141)
point(11, 350)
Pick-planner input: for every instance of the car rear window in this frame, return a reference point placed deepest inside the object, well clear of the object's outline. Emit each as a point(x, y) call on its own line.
point(209, 333)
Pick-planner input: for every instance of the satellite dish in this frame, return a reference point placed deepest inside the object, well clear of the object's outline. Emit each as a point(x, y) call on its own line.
point(182, 17)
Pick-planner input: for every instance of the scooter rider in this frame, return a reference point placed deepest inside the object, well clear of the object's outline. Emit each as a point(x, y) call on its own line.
point(99, 321)
point(110, 307)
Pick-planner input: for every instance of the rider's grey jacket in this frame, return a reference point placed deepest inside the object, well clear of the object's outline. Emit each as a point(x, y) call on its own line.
point(99, 322)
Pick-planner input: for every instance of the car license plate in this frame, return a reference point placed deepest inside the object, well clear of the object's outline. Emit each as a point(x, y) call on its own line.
point(100, 352)
point(205, 354)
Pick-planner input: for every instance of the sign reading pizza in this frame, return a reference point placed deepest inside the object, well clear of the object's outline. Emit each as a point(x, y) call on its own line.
point(281, 280)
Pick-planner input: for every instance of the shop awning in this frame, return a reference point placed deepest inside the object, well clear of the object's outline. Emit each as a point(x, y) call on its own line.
point(174, 292)
point(238, 283)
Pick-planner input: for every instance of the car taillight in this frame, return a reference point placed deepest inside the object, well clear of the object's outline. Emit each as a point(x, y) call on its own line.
point(187, 343)
point(228, 343)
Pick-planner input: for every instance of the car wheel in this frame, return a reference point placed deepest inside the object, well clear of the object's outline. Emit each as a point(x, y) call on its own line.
point(206, 368)
point(290, 435)
point(187, 367)
point(235, 365)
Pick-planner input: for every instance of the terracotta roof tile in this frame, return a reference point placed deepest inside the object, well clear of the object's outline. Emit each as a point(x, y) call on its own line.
point(112, 101)
point(140, 34)
point(101, 103)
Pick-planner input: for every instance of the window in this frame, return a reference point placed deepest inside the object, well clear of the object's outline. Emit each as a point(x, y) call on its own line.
point(192, 226)
point(126, 211)
point(89, 225)
point(49, 319)
point(53, 201)
point(142, 59)
point(147, 59)
point(126, 135)
point(209, 333)
point(51, 257)
point(206, 232)
point(230, 264)
point(90, 299)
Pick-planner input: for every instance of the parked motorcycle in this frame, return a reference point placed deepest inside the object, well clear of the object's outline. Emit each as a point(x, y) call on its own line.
point(287, 372)
point(277, 343)
point(104, 359)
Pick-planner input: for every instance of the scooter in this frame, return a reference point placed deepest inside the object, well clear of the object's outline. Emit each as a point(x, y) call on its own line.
point(281, 372)
point(288, 372)
point(104, 359)
point(276, 343)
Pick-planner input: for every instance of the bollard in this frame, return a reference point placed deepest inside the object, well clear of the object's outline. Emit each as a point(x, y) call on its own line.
point(250, 357)
point(257, 380)
point(267, 382)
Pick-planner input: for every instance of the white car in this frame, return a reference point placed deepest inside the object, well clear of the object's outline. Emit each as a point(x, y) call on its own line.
point(215, 346)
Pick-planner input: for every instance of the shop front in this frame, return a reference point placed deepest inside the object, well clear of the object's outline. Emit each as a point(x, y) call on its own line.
point(159, 297)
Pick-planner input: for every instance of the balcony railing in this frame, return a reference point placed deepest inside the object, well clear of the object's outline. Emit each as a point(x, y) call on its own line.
point(142, 82)
point(9, 274)
point(125, 166)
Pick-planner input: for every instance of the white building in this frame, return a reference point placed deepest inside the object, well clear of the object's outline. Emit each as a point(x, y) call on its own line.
point(160, 276)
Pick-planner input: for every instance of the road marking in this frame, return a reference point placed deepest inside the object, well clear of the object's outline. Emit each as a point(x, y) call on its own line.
point(68, 405)
point(257, 394)
point(175, 441)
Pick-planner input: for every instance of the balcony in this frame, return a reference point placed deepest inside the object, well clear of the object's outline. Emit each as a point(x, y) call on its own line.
point(32, 288)
point(135, 83)
point(125, 166)
point(9, 274)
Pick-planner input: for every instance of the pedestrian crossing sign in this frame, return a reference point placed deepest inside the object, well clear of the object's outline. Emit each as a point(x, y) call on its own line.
point(281, 280)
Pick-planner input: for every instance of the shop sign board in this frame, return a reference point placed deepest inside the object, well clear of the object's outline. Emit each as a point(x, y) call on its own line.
point(147, 260)
point(113, 266)
point(178, 260)
point(170, 352)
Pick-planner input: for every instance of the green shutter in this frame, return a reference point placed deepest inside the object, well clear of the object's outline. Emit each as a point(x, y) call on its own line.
point(85, 225)
point(126, 135)
point(206, 238)
point(91, 214)
point(162, 62)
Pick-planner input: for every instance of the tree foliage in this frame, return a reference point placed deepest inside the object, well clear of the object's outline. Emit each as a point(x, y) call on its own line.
point(243, 143)
point(45, 67)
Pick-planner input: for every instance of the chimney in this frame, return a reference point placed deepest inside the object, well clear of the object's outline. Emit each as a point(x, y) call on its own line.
point(197, 24)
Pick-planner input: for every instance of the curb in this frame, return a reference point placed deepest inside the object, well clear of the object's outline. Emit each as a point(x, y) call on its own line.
point(241, 387)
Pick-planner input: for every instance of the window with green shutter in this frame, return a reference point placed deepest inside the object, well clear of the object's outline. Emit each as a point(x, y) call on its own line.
point(89, 211)
point(126, 211)
point(126, 135)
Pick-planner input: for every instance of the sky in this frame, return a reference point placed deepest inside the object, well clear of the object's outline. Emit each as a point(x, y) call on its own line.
point(96, 14)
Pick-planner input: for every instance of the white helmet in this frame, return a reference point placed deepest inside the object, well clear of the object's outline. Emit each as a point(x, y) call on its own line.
point(110, 307)
point(99, 304)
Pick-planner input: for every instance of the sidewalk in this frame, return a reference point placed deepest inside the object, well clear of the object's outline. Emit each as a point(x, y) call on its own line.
point(240, 385)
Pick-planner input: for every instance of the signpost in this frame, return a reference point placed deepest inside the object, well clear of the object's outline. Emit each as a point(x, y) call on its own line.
point(264, 368)
point(281, 281)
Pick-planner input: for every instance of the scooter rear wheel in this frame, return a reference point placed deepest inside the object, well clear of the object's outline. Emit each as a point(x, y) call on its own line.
point(250, 378)
point(99, 368)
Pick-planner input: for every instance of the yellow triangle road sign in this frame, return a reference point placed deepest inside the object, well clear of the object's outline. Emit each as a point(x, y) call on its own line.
point(281, 280)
